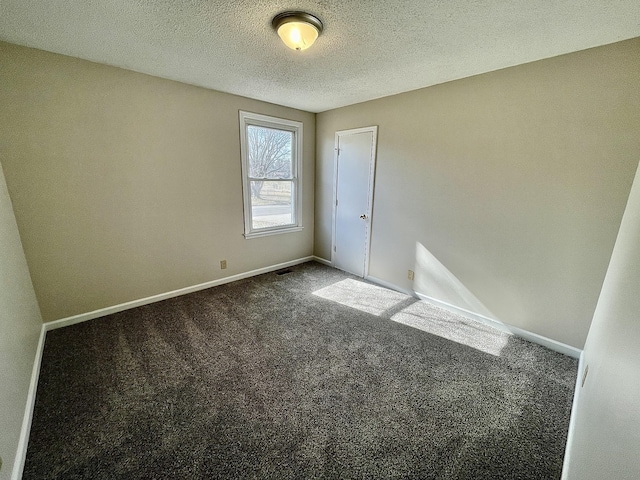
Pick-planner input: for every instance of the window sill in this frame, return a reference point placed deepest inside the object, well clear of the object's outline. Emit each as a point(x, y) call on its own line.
point(266, 233)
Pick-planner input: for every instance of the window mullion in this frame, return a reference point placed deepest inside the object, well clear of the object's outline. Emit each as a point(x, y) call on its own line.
point(260, 179)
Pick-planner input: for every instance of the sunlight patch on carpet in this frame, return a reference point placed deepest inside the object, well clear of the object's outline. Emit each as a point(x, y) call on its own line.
point(362, 296)
point(428, 318)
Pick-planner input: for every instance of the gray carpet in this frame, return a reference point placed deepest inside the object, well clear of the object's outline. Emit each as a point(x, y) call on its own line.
point(309, 374)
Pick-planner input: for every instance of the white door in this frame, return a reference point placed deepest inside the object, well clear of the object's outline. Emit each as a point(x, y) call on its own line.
point(353, 198)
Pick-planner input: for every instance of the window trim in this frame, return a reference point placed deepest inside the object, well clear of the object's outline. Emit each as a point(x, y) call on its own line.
point(255, 119)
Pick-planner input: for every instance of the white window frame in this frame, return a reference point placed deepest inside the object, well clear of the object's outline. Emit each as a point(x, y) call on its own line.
point(254, 119)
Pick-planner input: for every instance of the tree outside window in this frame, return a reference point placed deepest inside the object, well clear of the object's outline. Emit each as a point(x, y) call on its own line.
point(271, 168)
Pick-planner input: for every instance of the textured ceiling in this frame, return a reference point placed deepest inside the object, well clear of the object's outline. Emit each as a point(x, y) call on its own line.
point(369, 48)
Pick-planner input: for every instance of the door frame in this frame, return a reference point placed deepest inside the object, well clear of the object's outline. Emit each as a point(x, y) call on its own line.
point(372, 169)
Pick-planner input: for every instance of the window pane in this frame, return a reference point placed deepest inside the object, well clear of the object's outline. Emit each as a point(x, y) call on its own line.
point(269, 152)
point(271, 204)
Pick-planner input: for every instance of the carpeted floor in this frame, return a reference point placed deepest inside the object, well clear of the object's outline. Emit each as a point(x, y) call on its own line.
point(309, 374)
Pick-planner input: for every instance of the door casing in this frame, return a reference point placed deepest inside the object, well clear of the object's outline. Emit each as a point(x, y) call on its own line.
point(372, 166)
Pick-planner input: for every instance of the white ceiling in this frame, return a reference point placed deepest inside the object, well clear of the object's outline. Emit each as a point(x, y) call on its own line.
point(369, 48)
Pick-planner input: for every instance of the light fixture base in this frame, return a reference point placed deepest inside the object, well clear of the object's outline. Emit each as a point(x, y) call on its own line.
point(286, 17)
point(298, 30)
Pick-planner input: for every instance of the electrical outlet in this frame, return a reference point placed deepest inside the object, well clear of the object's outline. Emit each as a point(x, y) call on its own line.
point(223, 264)
point(410, 274)
point(584, 375)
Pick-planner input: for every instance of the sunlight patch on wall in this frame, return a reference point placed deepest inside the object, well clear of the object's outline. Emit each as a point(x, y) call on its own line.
point(438, 321)
point(362, 296)
point(434, 280)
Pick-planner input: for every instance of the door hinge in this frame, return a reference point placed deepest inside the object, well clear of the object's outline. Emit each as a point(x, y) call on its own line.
point(334, 248)
point(336, 202)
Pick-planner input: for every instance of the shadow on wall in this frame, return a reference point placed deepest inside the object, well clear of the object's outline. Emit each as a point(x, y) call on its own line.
point(434, 280)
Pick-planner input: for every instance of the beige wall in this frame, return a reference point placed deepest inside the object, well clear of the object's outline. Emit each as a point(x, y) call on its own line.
point(126, 185)
point(504, 191)
point(605, 440)
point(20, 324)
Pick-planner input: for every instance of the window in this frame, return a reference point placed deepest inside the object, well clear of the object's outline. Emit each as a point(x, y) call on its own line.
point(271, 150)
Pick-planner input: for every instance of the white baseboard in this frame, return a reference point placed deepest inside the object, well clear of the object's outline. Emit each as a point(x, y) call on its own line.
point(23, 442)
point(532, 337)
point(390, 286)
point(83, 317)
point(572, 419)
point(323, 261)
point(519, 332)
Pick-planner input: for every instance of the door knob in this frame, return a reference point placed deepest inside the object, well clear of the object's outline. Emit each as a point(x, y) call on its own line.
point(363, 216)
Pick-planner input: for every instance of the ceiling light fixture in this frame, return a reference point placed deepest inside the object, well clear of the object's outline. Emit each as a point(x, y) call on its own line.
point(298, 30)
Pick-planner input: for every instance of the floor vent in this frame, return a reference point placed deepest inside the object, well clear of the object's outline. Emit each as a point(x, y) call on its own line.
point(283, 272)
